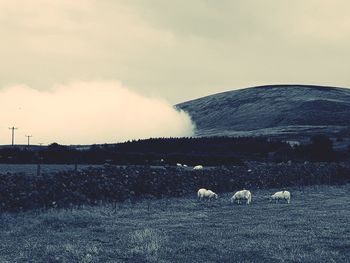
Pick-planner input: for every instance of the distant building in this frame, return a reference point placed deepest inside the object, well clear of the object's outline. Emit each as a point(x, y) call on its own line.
point(293, 143)
point(82, 148)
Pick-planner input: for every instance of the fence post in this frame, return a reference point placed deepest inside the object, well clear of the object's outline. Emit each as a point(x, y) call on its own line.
point(38, 169)
point(77, 159)
point(38, 165)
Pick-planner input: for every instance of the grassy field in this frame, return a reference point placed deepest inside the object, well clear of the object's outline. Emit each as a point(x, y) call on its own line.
point(315, 227)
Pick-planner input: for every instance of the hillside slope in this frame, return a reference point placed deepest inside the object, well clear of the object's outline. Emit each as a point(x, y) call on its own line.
point(288, 111)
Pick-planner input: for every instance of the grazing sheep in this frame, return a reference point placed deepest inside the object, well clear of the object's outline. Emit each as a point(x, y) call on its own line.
point(198, 167)
point(179, 164)
point(243, 194)
point(201, 193)
point(207, 194)
point(281, 195)
point(211, 195)
point(185, 165)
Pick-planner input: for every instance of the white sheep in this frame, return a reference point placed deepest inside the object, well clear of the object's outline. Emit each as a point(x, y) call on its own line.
point(201, 192)
point(243, 194)
point(207, 194)
point(185, 165)
point(198, 167)
point(281, 195)
point(179, 165)
point(211, 195)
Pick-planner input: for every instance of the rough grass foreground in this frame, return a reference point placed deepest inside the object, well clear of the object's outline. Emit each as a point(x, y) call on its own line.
point(313, 228)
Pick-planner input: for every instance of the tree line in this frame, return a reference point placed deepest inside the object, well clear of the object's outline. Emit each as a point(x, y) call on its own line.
point(191, 151)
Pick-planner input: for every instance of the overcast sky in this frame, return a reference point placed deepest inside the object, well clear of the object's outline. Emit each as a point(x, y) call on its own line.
point(177, 50)
point(155, 53)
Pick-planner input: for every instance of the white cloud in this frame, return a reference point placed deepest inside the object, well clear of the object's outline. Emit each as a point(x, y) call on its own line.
point(87, 113)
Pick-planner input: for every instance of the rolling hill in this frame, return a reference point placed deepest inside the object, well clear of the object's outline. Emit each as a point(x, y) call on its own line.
point(290, 112)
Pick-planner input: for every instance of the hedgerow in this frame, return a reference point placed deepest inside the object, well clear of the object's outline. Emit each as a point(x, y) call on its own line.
point(117, 184)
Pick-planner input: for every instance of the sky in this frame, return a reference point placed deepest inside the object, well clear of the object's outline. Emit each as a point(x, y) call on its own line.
point(167, 51)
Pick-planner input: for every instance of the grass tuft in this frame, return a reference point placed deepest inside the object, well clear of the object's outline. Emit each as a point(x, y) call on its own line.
point(147, 243)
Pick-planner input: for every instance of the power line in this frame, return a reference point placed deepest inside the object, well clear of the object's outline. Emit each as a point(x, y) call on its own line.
point(28, 136)
point(13, 134)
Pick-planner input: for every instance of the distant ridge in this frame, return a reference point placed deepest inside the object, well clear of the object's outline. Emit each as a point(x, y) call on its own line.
point(288, 111)
point(320, 87)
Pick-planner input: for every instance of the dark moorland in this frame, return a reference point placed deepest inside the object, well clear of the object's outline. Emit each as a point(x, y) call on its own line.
point(290, 112)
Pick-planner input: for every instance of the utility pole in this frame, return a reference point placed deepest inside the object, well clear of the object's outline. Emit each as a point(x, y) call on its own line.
point(13, 134)
point(28, 136)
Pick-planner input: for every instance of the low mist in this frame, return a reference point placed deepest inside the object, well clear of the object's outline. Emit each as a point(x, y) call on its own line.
point(87, 113)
